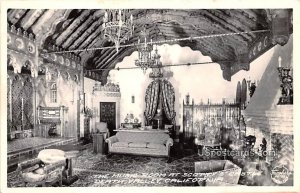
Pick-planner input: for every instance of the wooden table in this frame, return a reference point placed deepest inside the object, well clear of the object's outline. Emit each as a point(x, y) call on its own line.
point(71, 153)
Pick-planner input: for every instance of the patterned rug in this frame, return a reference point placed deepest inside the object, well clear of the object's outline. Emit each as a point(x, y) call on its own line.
point(130, 170)
point(96, 170)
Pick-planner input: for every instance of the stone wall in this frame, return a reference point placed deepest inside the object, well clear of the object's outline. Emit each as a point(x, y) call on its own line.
point(264, 118)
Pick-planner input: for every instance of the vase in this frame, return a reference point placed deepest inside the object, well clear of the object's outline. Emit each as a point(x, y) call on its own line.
point(126, 120)
point(136, 120)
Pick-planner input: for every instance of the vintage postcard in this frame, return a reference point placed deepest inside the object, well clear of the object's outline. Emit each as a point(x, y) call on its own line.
point(149, 96)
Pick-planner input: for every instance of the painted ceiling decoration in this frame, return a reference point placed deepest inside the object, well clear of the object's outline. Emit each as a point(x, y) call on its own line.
point(74, 37)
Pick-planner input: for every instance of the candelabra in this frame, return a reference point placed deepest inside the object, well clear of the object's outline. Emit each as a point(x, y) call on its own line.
point(156, 66)
point(187, 98)
point(251, 87)
point(118, 26)
point(286, 86)
point(145, 59)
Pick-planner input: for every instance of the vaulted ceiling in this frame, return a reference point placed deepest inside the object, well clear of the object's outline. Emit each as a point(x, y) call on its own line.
point(80, 29)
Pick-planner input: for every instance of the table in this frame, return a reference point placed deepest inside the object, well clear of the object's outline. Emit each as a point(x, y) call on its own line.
point(71, 152)
point(98, 143)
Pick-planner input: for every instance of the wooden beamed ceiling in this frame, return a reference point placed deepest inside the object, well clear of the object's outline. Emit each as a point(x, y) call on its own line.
point(81, 29)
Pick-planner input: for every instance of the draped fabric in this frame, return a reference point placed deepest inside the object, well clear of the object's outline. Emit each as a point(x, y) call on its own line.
point(168, 100)
point(151, 99)
point(160, 90)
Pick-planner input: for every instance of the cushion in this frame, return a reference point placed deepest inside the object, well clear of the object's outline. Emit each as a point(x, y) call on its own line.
point(39, 171)
point(120, 144)
point(156, 146)
point(50, 156)
point(151, 137)
point(143, 145)
point(33, 177)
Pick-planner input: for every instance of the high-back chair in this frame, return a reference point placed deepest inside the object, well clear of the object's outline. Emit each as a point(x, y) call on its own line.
point(101, 127)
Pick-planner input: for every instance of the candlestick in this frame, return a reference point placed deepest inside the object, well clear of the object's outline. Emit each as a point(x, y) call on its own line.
point(22, 109)
point(279, 62)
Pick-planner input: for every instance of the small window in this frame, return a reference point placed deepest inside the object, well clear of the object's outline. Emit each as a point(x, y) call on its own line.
point(53, 93)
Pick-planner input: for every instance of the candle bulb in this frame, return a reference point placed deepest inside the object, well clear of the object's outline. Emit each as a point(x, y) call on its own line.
point(279, 62)
point(22, 109)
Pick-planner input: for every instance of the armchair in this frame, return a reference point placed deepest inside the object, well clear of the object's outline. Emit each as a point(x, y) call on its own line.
point(38, 171)
point(101, 127)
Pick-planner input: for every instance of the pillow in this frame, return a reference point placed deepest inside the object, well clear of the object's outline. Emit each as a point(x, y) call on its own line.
point(40, 171)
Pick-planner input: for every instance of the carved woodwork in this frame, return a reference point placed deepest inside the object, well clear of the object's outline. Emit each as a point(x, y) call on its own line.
point(80, 29)
point(21, 50)
point(108, 115)
point(55, 116)
point(224, 115)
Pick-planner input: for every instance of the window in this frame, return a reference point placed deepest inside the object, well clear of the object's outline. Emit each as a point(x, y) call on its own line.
point(53, 93)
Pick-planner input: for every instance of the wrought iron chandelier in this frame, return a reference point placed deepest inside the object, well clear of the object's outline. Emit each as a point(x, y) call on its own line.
point(156, 66)
point(145, 59)
point(118, 26)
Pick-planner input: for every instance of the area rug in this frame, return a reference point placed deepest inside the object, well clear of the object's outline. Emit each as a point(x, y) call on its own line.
point(96, 170)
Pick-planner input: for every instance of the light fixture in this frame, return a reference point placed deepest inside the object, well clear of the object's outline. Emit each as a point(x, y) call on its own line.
point(251, 87)
point(118, 26)
point(145, 59)
point(156, 66)
point(286, 86)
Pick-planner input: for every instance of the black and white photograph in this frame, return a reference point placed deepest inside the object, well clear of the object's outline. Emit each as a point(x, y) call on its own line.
point(110, 96)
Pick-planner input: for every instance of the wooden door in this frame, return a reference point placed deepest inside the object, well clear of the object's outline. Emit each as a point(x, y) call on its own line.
point(108, 115)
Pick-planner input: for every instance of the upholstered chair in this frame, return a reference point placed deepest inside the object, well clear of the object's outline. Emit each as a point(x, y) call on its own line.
point(37, 173)
point(101, 127)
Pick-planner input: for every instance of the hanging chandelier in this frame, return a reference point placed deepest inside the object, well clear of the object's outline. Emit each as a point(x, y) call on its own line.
point(156, 66)
point(118, 26)
point(145, 59)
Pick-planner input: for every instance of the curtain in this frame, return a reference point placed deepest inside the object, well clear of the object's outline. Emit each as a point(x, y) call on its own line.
point(168, 100)
point(151, 99)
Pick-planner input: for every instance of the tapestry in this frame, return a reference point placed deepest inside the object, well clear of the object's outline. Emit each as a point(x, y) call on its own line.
point(21, 103)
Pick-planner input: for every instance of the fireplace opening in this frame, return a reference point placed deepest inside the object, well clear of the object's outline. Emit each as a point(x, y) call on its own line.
point(52, 132)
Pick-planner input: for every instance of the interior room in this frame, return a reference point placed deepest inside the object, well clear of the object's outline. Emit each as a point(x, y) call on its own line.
point(149, 97)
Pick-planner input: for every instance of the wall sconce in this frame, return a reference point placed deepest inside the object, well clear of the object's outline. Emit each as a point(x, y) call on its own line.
point(187, 98)
point(82, 97)
point(251, 87)
point(132, 99)
point(286, 86)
